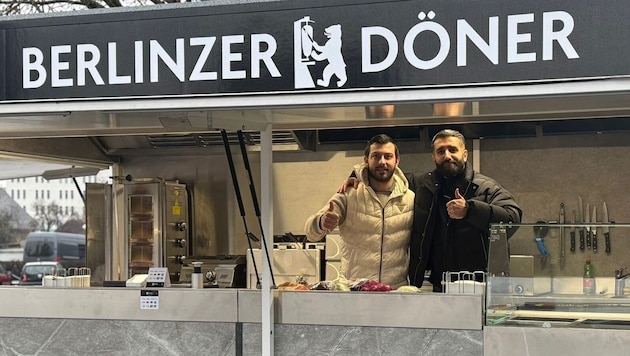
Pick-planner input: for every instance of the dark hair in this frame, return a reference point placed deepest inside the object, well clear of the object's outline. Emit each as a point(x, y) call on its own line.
point(381, 139)
point(449, 133)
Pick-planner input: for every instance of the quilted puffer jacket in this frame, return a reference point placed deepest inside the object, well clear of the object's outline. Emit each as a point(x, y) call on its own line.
point(374, 236)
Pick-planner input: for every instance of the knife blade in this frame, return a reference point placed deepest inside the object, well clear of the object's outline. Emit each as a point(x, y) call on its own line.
point(606, 229)
point(587, 221)
point(580, 219)
point(594, 228)
point(573, 233)
point(562, 242)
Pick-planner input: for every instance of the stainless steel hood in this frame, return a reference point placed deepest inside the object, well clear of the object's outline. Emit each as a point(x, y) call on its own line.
point(98, 133)
point(349, 127)
point(504, 103)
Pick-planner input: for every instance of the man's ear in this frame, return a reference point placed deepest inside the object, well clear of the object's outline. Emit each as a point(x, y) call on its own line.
point(365, 159)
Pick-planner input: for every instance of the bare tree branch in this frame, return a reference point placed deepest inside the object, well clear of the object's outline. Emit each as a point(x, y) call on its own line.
point(91, 4)
point(112, 3)
point(14, 7)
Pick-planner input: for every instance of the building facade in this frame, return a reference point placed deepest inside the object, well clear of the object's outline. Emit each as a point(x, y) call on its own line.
point(37, 196)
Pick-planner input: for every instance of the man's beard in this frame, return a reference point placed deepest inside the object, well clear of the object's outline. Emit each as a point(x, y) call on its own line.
point(379, 177)
point(450, 168)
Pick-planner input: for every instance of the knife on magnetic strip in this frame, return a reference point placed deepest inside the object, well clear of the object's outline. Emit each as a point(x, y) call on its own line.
point(580, 219)
point(573, 233)
point(562, 242)
point(587, 221)
point(606, 229)
point(594, 228)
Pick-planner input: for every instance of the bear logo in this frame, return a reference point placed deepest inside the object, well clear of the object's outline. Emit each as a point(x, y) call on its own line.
point(331, 52)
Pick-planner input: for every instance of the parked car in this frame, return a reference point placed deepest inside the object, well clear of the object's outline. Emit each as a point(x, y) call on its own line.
point(5, 276)
point(34, 272)
point(65, 248)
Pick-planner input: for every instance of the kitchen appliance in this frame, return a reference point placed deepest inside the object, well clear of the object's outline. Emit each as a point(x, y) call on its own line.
point(332, 255)
point(287, 265)
point(156, 226)
point(224, 271)
point(530, 275)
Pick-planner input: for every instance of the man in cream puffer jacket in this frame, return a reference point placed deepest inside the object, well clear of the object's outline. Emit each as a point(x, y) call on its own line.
point(374, 219)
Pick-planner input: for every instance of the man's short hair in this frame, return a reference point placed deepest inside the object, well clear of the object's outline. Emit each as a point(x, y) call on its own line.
point(381, 139)
point(449, 133)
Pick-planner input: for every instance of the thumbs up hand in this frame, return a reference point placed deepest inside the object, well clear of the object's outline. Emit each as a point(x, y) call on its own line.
point(457, 195)
point(329, 220)
point(458, 207)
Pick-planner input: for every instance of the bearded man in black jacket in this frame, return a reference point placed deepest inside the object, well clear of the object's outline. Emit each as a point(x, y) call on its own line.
point(454, 207)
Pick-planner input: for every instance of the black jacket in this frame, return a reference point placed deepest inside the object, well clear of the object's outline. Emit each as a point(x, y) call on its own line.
point(465, 242)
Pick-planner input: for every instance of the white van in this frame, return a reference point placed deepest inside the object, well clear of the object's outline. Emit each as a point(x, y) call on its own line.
point(65, 248)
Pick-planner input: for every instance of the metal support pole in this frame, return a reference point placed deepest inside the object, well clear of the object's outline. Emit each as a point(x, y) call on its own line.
point(266, 179)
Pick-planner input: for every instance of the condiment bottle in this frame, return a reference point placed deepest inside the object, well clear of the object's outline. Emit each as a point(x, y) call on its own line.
point(197, 276)
point(588, 281)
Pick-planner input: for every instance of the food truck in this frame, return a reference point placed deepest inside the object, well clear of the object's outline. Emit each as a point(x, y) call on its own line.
point(227, 124)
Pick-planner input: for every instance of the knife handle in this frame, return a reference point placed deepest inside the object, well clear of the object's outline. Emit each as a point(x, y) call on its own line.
point(607, 241)
point(594, 243)
point(572, 241)
point(588, 239)
point(582, 239)
point(541, 246)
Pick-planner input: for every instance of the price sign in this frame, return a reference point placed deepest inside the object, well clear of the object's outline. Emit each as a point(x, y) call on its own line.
point(158, 277)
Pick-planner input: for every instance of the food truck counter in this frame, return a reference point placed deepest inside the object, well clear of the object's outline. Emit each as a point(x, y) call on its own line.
point(389, 309)
point(228, 321)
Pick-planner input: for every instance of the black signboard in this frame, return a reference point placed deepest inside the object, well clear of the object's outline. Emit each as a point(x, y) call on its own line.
point(306, 46)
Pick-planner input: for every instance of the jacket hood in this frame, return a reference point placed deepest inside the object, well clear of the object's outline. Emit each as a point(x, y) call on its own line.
point(401, 184)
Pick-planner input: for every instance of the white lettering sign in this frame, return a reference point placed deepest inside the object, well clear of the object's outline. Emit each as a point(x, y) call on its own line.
point(424, 46)
point(465, 33)
point(89, 58)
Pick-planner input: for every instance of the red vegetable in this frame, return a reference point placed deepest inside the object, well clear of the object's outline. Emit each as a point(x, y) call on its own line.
point(374, 286)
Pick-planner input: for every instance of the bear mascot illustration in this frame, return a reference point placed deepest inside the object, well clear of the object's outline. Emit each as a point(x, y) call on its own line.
point(331, 52)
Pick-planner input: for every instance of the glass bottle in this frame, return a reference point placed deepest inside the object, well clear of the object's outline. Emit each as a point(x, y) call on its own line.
point(588, 281)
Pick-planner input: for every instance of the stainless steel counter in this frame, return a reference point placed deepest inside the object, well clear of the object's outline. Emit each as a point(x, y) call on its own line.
point(391, 309)
point(218, 305)
point(424, 310)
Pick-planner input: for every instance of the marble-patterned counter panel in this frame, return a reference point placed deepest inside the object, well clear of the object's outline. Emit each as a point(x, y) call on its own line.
point(69, 337)
point(551, 341)
point(304, 340)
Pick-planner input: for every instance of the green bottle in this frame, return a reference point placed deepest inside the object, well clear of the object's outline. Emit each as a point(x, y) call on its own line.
point(588, 282)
